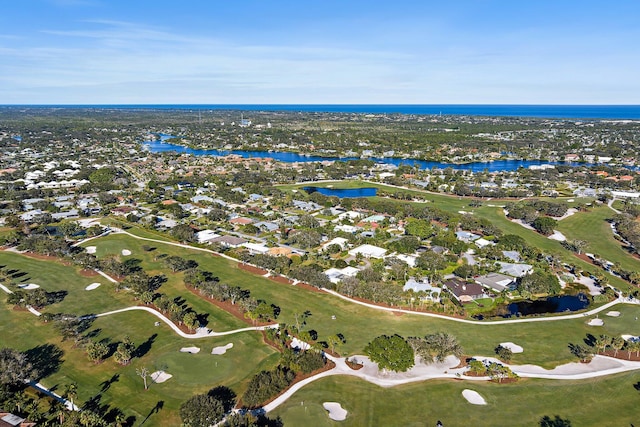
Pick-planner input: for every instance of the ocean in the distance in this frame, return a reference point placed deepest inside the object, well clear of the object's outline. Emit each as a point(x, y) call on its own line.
point(611, 112)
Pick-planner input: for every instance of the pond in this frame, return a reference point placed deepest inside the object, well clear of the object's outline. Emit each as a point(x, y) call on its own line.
point(343, 192)
point(557, 304)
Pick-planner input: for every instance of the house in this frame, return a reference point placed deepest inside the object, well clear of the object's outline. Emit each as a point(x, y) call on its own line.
point(229, 241)
point(241, 221)
point(351, 229)
point(280, 251)
point(73, 213)
point(335, 275)
point(512, 255)
point(166, 223)
point(368, 251)
point(481, 243)
point(496, 281)
point(8, 419)
point(29, 216)
point(423, 286)
point(515, 270)
point(340, 241)
point(410, 260)
point(266, 226)
point(306, 206)
point(205, 236)
point(466, 236)
point(464, 291)
point(255, 248)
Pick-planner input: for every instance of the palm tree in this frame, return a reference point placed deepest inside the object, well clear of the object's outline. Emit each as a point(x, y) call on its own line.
point(617, 343)
point(72, 393)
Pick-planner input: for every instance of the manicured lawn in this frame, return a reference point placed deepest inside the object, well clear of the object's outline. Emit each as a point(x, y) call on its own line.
point(192, 373)
point(55, 276)
point(586, 225)
point(545, 343)
point(610, 401)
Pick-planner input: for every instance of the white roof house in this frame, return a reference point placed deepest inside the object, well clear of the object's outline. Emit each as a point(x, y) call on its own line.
point(409, 259)
point(335, 275)
point(205, 235)
point(482, 242)
point(368, 251)
point(256, 248)
point(340, 241)
point(424, 286)
point(515, 270)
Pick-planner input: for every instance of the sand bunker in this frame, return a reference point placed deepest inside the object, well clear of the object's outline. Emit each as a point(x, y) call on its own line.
point(190, 350)
point(473, 397)
point(296, 343)
point(222, 349)
point(126, 252)
point(557, 236)
point(92, 286)
point(613, 313)
point(160, 377)
point(336, 411)
point(515, 348)
point(596, 322)
point(91, 249)
point(29, 287)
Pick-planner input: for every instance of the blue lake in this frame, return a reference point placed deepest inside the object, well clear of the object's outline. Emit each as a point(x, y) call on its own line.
point(343, 192)
point(160, 146)
point(558, 304)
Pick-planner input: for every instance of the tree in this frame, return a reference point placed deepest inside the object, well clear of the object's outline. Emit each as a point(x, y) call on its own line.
point(539, 282)
point(437, 346)
point(580, 351)
point(544, 225)
point(201, 410)
point(547, 421)
point(184, 233)
point(504, 353)
point(391, 352)
point(617, 343)
point(419, 227)
point(71, 393)
point(15, 368)
point(96, 351)
point(124, 351)
point(191, 321)
point(143, 373)
point(431, 261)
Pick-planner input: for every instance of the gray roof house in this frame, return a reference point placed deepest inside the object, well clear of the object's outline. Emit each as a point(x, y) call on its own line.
point(496, 281)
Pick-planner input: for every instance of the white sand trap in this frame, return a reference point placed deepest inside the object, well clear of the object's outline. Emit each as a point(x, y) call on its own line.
point(91, 249)
point(336, 411)
point(126, 252)
point(160, 377)
point(222, 349)
point(557, 236)
point(596, 322)
point(296, 343)
point(29, 287)
point(92, 286)
point(515, 348)
point(190, 350)
point(613, 313)
point(473, 397)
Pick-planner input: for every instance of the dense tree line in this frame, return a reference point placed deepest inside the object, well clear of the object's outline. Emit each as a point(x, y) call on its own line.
point(210, 286)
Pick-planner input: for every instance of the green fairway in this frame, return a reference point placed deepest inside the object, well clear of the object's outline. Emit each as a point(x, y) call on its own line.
point(585, 225)
point(192, 373)
point(610, 401)
point(54, 276)
point(546, 342)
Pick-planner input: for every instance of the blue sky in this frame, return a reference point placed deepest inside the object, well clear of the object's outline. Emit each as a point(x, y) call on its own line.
point(319, 51)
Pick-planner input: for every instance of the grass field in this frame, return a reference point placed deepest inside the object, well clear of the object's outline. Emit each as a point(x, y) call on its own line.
point(546, 343)
point(192, 373)
point(522, 403)
point(610, 401)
